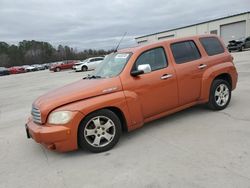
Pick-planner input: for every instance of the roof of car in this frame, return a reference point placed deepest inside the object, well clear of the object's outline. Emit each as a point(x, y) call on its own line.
point(159, 43)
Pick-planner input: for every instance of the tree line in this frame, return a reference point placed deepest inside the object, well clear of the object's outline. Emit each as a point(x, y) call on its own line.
point(36, 52)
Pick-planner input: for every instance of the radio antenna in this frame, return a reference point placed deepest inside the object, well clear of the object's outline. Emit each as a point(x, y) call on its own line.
point(120, 42)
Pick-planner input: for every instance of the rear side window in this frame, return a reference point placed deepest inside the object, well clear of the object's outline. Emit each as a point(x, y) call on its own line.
point(156, 58)
point(212, 45)
point(185, 51)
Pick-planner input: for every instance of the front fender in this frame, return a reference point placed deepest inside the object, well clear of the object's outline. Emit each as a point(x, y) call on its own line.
point(86, 106)
point(211, 73)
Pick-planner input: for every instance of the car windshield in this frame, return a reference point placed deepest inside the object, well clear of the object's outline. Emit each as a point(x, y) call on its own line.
point(112, 65)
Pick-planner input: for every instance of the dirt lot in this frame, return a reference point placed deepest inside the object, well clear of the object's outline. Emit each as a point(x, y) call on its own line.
point(193, 148)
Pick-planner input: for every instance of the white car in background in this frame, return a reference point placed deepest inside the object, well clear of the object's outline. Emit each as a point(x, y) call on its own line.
point(88, 64)
point(29, 68)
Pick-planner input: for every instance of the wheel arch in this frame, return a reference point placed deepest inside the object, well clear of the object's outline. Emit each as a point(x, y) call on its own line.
point(224, 76)
point(115, 110)
point(208, 79)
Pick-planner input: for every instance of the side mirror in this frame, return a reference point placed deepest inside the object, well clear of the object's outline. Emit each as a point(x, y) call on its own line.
point(142, 69)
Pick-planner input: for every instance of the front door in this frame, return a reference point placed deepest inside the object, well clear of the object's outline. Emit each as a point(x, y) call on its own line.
point(157, 90)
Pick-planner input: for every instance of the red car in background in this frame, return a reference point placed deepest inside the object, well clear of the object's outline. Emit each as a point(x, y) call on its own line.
point(57, 67)
point(16, 70)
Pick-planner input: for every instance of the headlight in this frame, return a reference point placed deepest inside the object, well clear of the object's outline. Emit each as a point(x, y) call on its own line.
point(60, 117)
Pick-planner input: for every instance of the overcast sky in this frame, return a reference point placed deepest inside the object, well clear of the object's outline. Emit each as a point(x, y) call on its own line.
point(100, 23)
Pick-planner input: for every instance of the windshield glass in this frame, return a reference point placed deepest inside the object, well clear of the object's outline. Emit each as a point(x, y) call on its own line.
point(112, 65)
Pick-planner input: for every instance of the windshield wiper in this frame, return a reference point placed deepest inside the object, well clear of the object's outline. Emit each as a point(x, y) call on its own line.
point(92, 77)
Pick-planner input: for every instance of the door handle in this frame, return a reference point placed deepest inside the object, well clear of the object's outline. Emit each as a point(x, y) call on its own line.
point(166, 76)
point(202, 66)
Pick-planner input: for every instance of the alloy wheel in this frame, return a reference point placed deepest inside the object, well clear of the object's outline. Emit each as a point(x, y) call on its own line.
point(221, 95)
point(99, 131)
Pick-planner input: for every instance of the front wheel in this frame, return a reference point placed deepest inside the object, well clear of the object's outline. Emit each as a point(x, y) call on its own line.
point(220, 95)
point(84, 68)
point(241, 49)
point(99, 131)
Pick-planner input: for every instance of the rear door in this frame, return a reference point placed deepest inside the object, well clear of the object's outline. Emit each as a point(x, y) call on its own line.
point(189, 70)
point(91, 64)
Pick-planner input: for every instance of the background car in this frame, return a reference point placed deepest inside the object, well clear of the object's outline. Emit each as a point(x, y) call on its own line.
point(39, 66)
point(88, 64)
point(29, 68)
point(238, 45)
point(16, 70)
point(4, 71)
point(68, 64)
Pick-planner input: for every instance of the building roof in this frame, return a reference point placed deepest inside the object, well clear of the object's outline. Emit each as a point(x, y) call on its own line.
point(193, 24)
point(161, 43)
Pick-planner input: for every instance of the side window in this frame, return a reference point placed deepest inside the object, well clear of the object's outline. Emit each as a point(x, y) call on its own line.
point(248, 39)
point(212, 45)
point(156, 58)
point(92, 60)
point(185, 51)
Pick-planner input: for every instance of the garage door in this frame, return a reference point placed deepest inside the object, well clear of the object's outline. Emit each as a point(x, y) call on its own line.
point(233, 31)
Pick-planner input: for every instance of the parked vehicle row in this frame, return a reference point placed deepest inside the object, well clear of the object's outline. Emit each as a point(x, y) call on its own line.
point(85, 65)
point(239, 45)
point(23, 69)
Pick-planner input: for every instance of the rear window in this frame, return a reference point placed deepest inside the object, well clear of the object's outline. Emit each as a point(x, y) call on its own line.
point(212, 45)
point(185, 51)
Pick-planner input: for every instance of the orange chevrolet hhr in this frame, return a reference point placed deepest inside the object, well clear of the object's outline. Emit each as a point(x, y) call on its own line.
point(132, 87)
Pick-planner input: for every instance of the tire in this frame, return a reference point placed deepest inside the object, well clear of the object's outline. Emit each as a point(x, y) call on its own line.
point(240, 49)
point(220, 95)
point(99, 131)
point(57, 69)
point(84, 68)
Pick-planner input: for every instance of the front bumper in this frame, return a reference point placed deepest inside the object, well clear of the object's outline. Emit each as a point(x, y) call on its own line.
point(233, 47)
point(77, 68)
point(61, 138)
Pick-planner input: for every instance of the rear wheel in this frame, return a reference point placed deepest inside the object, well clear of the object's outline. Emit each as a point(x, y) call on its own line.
point(57, 69)
point(220, 95)
point(100, 131)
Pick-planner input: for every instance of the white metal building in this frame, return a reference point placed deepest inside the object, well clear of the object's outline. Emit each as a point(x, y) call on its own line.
point(228, 28)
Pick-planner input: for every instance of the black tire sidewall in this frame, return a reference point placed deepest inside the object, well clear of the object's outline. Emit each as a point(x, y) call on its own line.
point(83, 144)
point(84, 68)
point(212, 102)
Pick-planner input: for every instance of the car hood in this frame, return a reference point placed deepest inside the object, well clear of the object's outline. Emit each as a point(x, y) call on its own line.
point(82, 89)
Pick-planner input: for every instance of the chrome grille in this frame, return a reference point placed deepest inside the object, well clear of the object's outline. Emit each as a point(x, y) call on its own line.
point(36, 115)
